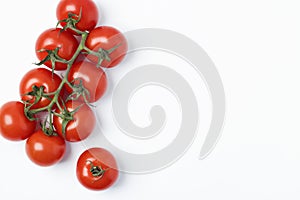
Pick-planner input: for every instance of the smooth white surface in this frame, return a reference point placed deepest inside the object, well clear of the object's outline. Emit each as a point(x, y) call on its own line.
point(255, 45)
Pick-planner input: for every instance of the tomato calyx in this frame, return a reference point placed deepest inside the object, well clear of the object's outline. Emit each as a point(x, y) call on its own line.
point(36, 95)
point(52, 56)
point(48, 129)
point(101, 54)
point(96, 171)
point(78, 91)
point(66, 116)
point(71, 22)
point(29, 115)
point(47, 125)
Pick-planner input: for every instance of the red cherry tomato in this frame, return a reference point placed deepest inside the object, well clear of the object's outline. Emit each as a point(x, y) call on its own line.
point(89, 13)
point(80, 127)
point(107, 38)
point(14, 125)
point(39, 77)
point(93, 79)
point(52, 39)
point(45, 150)
point(97, 169)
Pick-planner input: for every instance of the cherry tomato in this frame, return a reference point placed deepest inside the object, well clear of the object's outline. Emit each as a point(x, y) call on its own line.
point(97, 169)
point(14, 125)
point(45, 150)
point(107, 38)
point(52, 39)
point(80, 127)
point(39, 77)
point(89, 13)
point(93, 79)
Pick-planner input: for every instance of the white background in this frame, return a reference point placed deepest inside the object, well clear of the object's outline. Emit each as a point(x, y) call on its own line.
point(255, 46)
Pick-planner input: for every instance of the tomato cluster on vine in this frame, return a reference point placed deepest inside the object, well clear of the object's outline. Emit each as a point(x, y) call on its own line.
point(55, 108)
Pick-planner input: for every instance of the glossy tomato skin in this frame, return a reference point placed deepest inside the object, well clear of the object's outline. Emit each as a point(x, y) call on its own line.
point(14, 125)
point(106, 37)
point(39, 77)
point(81, 127)
point(53, 38)
point(45, 150)
point(101, 158)
point(89, 13)
point(94, 79)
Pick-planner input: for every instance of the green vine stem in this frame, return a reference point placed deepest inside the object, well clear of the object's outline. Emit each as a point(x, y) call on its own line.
point(102, 55)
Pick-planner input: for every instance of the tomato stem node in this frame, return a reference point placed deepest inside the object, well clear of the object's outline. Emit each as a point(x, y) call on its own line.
point(96, 171)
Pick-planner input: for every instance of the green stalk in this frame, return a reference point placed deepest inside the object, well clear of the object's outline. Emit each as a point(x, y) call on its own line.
point(65, 79)
point(102, 55)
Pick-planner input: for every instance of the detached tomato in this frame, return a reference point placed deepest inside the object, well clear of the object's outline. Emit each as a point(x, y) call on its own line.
point(45, 150)
point(80, 127)
point(14, 125)
point(106, 37)
point(89, 13)
point(97, 169)
point(52, 39)
point(39, 77)
point(93, 79)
